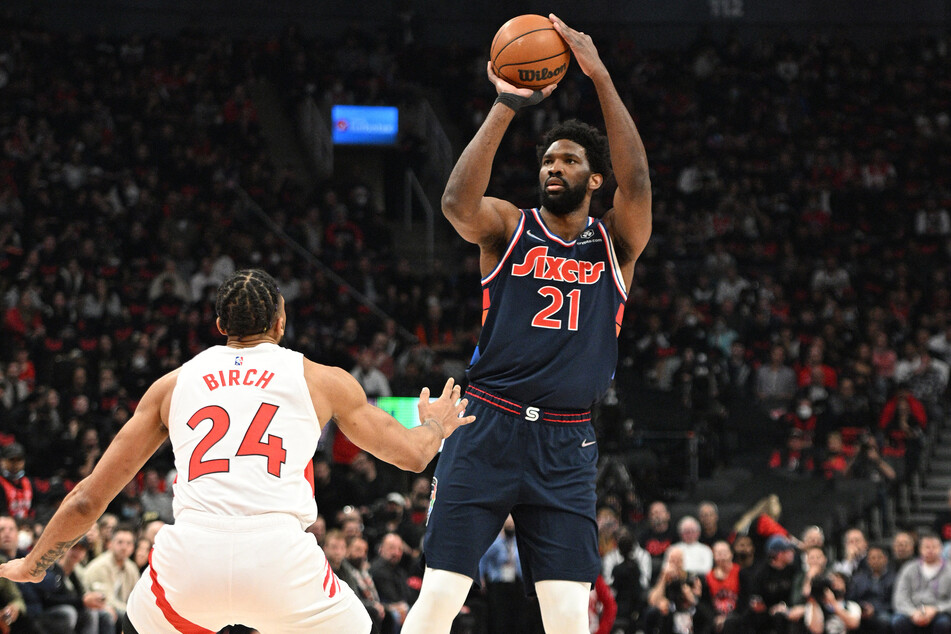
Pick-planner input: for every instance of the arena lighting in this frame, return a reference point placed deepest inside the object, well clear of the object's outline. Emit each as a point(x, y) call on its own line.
point(364, 125)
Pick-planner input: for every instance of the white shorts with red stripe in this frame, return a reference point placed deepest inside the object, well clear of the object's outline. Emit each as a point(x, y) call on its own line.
point(209, 571)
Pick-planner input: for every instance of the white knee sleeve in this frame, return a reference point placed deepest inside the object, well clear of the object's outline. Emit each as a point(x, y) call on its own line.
point(440, 600)
point(564, 606)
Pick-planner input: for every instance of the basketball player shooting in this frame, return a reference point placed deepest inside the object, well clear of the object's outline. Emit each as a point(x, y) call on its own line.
point(243, 420)
point(554, 285)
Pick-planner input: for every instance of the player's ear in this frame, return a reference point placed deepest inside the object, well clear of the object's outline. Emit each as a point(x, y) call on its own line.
point(220, 329)
point(595, 181)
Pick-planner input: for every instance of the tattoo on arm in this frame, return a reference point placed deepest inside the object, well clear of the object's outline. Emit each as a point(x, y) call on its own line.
point(50, 556)
point(432, 422)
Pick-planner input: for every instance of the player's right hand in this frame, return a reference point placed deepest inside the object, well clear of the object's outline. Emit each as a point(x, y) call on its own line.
point(17, 570)
point(448, 410)
point(503, 86)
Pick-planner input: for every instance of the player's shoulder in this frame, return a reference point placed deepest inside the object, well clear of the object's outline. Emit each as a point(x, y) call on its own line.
point(165, 384)
point(326, 376)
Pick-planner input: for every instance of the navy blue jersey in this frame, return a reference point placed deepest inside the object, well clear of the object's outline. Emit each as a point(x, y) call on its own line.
point(551, 313)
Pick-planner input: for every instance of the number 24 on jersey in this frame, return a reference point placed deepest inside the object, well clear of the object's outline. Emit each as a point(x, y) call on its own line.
point(253, 443)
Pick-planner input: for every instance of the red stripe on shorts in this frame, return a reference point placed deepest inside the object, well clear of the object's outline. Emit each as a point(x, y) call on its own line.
point(179, 622)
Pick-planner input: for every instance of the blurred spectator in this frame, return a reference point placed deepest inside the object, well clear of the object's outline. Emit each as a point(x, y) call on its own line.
point(113, 573)
point(815, 566)
point(721, 591)
point(872, 589)
point(366, 485)
point(834, 462)
point(829, 611)
point(390, 577)
point(673, 599)
point(61, 603)
point(332, 490)
point(768, 588)
point(903, 547)
point(657, 536)
point(13, 609)
point(602, 608)
point(143, 548)
point(795, 458)
point(855, 548)
point(364, 587)
point(775, 384)
point(697, 556)
point(922, 595)
point(154, 500)
point(710, 531)
point(366, 373)
point(17, 491)
point(903, 421)
point(335, 548)
point(631, 578)
point(501, 572)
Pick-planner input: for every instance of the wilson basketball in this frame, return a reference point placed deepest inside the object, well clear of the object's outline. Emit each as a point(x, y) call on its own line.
point(527, 52)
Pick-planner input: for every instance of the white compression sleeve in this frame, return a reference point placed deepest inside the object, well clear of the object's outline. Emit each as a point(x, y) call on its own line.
point(564, 606)
point(440, 600)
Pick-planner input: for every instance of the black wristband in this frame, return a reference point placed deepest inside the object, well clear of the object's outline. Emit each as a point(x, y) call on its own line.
point(513, 101)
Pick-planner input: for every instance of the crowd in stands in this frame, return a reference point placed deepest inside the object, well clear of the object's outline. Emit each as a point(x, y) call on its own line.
point(795, 286)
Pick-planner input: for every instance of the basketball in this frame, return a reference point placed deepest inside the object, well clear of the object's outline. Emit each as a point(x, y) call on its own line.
point(527, 52)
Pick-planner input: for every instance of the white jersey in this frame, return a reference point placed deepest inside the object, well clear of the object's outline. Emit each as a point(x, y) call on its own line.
point(244, 433)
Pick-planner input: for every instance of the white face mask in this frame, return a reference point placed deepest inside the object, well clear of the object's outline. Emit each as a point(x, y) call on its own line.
point(804, 412)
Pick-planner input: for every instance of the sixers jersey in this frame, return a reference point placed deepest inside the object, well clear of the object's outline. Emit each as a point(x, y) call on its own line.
point(551, 313)
point(244, 431)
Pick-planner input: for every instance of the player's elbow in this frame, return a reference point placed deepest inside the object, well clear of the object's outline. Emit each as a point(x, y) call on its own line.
point(451, 207)
point(416, 464)
point(84, 502)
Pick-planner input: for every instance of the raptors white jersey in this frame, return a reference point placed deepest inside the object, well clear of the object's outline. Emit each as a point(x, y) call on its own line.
point(244, 431)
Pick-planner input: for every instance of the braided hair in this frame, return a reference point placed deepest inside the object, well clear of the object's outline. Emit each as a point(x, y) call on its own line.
point(247, 303)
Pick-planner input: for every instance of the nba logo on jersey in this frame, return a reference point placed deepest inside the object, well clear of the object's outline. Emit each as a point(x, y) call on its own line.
point(238, 360)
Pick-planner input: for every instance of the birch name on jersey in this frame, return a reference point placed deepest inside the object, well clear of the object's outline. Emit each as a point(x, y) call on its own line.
point(249, 376)
point(545, 267)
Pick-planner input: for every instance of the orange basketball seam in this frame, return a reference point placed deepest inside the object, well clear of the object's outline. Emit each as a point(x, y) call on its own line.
point(520, 36)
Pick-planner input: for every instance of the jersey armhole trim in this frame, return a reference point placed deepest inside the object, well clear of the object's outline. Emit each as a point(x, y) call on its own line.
point(612, 258)
point(508, 251)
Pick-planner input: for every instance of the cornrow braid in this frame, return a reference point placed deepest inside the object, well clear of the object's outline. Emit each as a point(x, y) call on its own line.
point(246, 303)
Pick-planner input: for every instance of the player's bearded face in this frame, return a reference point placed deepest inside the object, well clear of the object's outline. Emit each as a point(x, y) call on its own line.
point(562, 202)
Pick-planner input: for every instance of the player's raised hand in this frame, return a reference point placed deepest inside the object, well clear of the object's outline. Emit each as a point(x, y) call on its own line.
point(582, 47)
point(17, 570)
point(503, 86)
point(447, 410)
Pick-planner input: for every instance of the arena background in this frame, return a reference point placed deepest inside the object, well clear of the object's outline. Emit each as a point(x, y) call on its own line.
point(656, 444)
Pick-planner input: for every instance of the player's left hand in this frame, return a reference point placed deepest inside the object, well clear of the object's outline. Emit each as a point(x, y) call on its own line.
point(582, 47)
point(17, 570)
point(503, 86)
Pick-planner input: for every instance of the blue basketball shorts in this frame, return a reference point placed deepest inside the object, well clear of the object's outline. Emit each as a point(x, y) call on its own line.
point(539, 465)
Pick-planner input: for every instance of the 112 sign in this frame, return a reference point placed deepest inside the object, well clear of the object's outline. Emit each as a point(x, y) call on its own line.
point(726, 8)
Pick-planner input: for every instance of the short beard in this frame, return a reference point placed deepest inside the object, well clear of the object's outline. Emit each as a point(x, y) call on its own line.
point(567, 201)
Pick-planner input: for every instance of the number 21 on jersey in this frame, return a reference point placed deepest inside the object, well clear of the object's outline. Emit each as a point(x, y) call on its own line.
point(252, 444)
point(544, 318)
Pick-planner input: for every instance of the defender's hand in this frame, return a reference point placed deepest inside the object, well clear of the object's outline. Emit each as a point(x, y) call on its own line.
point(447, 411)
point(17, 570)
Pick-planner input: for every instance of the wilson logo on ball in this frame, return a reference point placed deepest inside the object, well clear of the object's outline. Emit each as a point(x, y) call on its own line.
point(542, 74)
